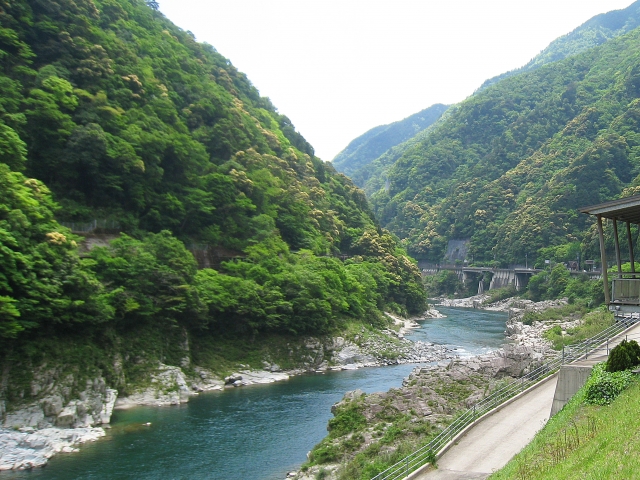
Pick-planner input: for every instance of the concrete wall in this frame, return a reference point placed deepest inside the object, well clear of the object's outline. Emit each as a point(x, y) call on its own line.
point(570, 379)
point(502, 278)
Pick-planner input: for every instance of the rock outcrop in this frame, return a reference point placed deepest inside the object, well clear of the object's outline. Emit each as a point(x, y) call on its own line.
point(93, 406)
point(28, 448)
point(168, 386)
point(58, 422)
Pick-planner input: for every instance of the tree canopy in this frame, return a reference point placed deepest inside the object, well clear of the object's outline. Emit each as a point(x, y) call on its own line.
point(108, 111)
point(508, 168)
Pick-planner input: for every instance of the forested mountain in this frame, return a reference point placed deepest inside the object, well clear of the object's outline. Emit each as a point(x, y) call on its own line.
point(508, 167)
point(108, 111)
point(373, 177)
point(370, 145)
point(592, 33)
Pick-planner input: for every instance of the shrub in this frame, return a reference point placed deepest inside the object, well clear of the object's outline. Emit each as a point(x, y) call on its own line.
point(624, 356)
point(499, 294)
point(348, 418)
point(325, 453)
point(528, 318)
point(602, 386)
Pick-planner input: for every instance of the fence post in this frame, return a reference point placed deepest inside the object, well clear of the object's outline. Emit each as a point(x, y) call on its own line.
point(562, 355)
point(406, 470)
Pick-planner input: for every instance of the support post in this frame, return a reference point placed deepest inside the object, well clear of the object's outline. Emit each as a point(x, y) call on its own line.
point(631, 257)
point(603, 258)
point(616, 242)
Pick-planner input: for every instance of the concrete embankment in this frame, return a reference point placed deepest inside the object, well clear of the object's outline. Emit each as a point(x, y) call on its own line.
point(573, 376)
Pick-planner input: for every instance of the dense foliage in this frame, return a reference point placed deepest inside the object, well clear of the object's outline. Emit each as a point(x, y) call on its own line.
point(603, 387)
point(623, 356)
point(508, 168)
point(42, 281)
point(355, 159)
point(126, 119)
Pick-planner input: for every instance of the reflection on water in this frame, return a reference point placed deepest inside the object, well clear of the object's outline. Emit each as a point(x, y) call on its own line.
point(257, 432)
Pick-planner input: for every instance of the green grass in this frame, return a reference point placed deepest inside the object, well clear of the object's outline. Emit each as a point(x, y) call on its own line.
point(499, 294)
point(584, 442)
point(557, 313)
point(592, 324)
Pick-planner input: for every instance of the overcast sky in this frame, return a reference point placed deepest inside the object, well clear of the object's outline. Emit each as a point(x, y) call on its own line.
point(337, 68)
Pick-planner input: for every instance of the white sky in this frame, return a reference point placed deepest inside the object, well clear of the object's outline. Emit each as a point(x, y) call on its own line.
point(337, 68)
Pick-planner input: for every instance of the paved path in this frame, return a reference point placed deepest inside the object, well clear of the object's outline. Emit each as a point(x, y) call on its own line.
point(490, 444)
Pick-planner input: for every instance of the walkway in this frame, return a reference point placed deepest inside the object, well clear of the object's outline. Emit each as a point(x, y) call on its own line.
point(490, 444)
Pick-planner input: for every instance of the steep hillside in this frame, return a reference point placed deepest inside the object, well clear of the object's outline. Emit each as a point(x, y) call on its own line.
point(370, 145)
point(109, 112)
point(508, 167)
point(592, 33)
point(374, 176)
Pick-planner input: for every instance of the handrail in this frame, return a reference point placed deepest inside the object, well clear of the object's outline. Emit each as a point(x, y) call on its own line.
point(91, 226)
point(571, 353)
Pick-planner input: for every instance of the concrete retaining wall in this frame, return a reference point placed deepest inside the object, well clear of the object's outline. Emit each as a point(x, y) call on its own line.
point(570, 379)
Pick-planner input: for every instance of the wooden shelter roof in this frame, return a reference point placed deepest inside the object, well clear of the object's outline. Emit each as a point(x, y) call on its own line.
point(624, 209)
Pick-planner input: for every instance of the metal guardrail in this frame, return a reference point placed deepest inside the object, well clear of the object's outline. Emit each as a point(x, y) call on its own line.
point(569, 354)
point(88, 227)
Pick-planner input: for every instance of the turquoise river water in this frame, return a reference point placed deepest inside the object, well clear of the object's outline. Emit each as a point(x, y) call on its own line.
point(259, 432)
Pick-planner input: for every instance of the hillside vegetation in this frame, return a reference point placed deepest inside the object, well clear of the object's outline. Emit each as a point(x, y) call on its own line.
point(592, 33)
point(110, 112)
point(508, 168)
point(354, 160)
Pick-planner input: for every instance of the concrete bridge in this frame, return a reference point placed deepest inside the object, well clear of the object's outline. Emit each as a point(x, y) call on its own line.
point(516, 275)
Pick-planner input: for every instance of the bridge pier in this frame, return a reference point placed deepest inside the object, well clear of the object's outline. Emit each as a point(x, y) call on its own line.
point(502, 278)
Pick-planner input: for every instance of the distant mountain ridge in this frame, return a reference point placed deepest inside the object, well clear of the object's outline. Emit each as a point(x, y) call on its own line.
point(371, 175)
point(373, 143)
point(592, 33)
point(508, 167)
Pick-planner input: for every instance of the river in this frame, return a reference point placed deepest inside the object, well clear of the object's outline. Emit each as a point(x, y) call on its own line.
point(259, 432)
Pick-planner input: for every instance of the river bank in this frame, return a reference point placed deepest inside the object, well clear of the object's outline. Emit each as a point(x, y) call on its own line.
point(60, 422)
point(431, 396)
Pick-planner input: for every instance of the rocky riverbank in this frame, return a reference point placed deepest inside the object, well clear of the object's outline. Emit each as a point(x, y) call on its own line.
point(60, 420)
point(29, 448)
point(431, 396)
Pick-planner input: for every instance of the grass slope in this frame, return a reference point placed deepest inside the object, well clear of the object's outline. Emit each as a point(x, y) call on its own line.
point(584, 442)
